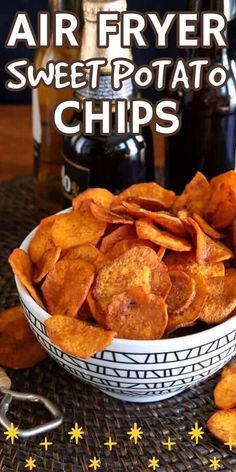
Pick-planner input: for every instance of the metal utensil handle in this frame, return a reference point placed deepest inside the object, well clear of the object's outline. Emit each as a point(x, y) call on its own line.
point(27, 433)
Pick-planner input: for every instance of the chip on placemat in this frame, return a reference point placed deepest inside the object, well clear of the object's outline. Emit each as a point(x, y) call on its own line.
point(137, 315)
point(225, 391)
point(22, 267)
point(19, 348)
point(67, 285)
point(76, 337)
point(222, 425)
point(221, 301)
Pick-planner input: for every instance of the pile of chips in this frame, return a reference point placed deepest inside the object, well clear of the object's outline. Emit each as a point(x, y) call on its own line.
point(140, 265)
point(223, 422)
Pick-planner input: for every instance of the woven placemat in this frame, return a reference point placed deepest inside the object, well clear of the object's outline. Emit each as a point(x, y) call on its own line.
point(99, 415)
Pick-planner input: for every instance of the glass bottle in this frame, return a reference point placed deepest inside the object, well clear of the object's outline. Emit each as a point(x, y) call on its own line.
point(113, 162)
point(207, 139)
point(47, 141)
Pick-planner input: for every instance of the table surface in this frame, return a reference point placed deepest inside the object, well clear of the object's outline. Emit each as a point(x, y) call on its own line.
point(16, 146)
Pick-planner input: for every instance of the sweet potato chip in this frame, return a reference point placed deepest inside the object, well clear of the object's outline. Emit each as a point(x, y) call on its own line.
point(97, 312)
point(206, 227)
point(222, 425)
point(182, 291)
point(42, 240)
point(146, 230)
point(221, 209)
point(88, 253)
point(192, 313)
point(76, 337)
point(19, 348)
point(161, 252)
point(132, 269)
point(76, 228)
point(161, 283)
point(209, 250)
point(148, 191)
point(123, 246)
point(22, 267)
point(67, 285)
point(186, 261)
point(195, 195)
point(229, 369)
point(46, 263)
point(221, 300)
point(149, 204)
point(123, 232)
point(225, 392)
point(136, 315)
point(98, 195)
point(108, 216)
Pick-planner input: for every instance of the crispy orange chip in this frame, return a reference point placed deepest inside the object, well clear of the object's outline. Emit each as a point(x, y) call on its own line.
point(222, 425)
point(123, 232)
point(136, 315)
point(206, 227)
point(195, 196)
point(209, 250)
point(67, 285)
point(192, 313)
point(221, 209)
point(22, 267)
point(186, 261)
point(107, 216)
point(149, 204)
point(98, 314)
point(229, 369)
point(132, 269)
point(98, 195)
point(19, 348)
point(146, 230)
point(148, 191)
point(182, 291)
point(221, 300)
point(76, 337)
point(225, 392)
point(42, 240)
point(76, 228)
point(46, 263)
point(123, 246)
point(88, 253)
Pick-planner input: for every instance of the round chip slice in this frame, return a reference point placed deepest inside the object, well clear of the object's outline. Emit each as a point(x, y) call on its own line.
point(221, 300)
point(46, 263)
point(98, 195)
point(123, 232)
point(149, 190)
point(182, 291)
point(76, 337)
point(192, 313)
point(42, 240)
point(146, 230)
point(186, 261)
point(88, 253)
point(76, 228)
point(136, 315)
point(107, 216)
point(225, 392)
point(222, 425)
point(67, 285)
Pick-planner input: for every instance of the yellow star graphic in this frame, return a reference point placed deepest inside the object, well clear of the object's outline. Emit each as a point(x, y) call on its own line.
point(231, 444)
point(169, 443)
point(30, 463)
point(95, 463)
point(76, 433)
point(46, 443)
point(110, 444)
point(135, 433)
point(154, 463)
point(196, 433)
point(215, 463)
point(11, 433)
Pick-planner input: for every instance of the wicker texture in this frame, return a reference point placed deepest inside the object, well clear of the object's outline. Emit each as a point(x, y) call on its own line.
point(99, 415)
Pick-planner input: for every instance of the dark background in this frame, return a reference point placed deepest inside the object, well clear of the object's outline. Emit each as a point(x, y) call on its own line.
point(143, 56)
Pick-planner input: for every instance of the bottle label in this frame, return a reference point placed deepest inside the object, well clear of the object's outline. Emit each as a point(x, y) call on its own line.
point(75, 178)
point(37, 129)
point(105, 91)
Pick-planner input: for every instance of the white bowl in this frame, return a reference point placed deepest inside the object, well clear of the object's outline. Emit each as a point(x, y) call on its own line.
point(140, 371)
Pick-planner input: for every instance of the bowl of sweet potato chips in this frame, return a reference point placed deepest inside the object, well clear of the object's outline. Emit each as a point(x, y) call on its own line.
point(136, 294)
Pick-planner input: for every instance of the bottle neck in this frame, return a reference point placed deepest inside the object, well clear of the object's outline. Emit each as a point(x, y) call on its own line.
point(74, 6)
